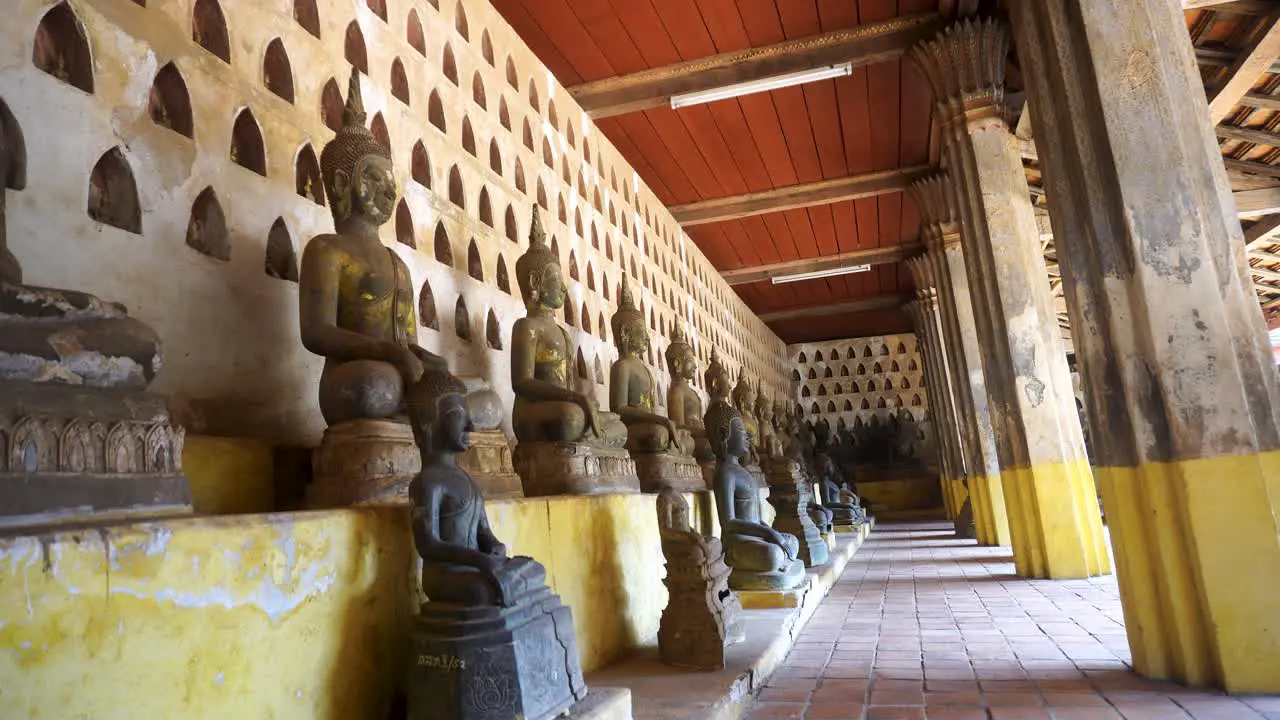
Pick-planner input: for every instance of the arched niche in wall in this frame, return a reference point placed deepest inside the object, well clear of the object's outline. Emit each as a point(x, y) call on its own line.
point(586, 318)
point(435, 111)
point(826, 373)
point(813, 374)
point(460, 21)
point(512, 79)
point(247, 149)
point(404, 225)
point(555, 248)
point(486, 208)
point(591, 278)
point(475, 268)
point(552, 115)
point(486, 49)
point(492, 331)
point(399, 82)
point(600, 323)
point(599, 371)
point(504, 116)
point(61, 48)
point(306, 175)
point(457, 195)
point(509, 223)
point(561, 214)
point(573, 265)
point(519, 176)
point(866, 352)
point(573, 142)
point(504, 281)
point(495, 157)
point(378, 129)
point(542, 195)
point(277, 72)
point(306, 15)
point(468, 136)
point(795, 376)
point(169, 104)
point(580, 364)
point(817, 356)
point(331, 105)
point(443, 248)
point(804, 392)
point(533, 96)
point(113, 194)
point(420, 165)
point(548, 157)
point(448, 65)
point(527, 137)
point(477, 91)
point(354, 49)
point(414, 34)
point(281, 260)
point(427, 315)
point(462, 320)
point(209, 29)
point(207, 228)
point(570, 315)
point(379, 8)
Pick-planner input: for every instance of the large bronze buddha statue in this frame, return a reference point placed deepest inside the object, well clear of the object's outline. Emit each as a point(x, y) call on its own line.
point(356, 305)
point(762, 558)
point(631, 384)
point(490, 620)
point(684, 406)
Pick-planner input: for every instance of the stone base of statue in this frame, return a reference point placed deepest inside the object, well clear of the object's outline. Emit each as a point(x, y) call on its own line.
point(73, 454)
point(703, 616)
point(846, 516)
point(372, 462)
point(662, 470)
point(574, 469)
point(492, 663)
point(790, 495)
point(773, 599)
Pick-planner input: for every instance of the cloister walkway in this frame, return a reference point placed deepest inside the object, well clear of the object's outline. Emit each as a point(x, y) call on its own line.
point(922, 625)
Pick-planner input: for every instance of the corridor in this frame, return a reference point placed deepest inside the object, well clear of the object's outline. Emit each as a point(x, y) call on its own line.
point(925, 626)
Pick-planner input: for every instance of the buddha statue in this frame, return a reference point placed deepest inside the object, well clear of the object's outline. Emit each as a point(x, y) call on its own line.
point(744, 400)
point(631, 385)
point(762, 558)
point(717, 379)
point(831, 486)
point(770, 448)
point(490, 619)
point(702, 615)
point(547, 408)
point(356, 304)
point(684, 406)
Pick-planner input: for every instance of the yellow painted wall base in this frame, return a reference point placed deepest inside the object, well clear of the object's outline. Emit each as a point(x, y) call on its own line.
point(990, 516)
point(1054, 523)
point(1197, 546)
point(229, 475)
point(292, 615)
point(908, 493)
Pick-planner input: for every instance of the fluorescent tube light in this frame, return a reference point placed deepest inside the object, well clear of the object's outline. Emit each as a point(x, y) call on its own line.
point(817, 274)
point(761, 85)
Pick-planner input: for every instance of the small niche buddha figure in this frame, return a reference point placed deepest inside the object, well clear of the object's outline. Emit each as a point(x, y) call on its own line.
point(683, 403)
point(547, 408)
point(356, 305)
point(631, 384)
point(762, 558)
point(490, 620)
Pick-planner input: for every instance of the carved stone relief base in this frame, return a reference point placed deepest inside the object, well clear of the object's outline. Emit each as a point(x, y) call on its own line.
point(660, 470)
point(490, 663)
point(373, 461)
point(790, 495)
point(703, 616)
point(574, 469)
point(71, 454)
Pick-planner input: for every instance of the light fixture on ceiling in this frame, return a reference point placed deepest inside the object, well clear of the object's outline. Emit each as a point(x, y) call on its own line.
point(761, 85)
point(818, 274)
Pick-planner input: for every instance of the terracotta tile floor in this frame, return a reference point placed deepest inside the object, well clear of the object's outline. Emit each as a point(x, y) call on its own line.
point(922, 625)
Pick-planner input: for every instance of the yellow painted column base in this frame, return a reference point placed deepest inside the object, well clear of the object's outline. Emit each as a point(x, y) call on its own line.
point(990, 517)
point(948, 503)
point(1197, 546)
point(1054, 523)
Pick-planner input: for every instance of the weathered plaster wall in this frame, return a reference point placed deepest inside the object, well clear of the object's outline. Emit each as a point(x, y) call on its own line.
point(297, 615)
point(234, 364)
point(855, 380)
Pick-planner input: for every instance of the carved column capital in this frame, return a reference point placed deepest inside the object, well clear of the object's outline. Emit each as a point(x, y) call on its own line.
point(922, 272)
point(939, 207)
point(965, 66)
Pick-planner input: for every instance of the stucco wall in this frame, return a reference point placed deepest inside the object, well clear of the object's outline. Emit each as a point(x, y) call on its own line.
point(233, 362)
point(859, 378)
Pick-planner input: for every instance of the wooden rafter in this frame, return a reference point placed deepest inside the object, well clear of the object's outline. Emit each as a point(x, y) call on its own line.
point(872, 256)
point(1221, 57)
point(821, 192)
point(861, 45)
point(1242, 7)
point(1254, 62)
point(1261, 100)
point(1255, 203)
point(1262, 233)
point(1255, 168)
point(879, 302)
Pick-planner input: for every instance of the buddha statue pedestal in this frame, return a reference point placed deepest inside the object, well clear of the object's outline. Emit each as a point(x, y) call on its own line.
point(789, 494)
point(662, 470)
point(565, 468)
point(483, 663)
point(489, 462)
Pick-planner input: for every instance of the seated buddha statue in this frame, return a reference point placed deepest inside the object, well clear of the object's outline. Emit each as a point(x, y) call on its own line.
point(744, 400)
point(631, 384)
point(356, 305)
point(770, 447)
point(830, 482)
point(684, 406)
point(547, 408)
point(762, 558)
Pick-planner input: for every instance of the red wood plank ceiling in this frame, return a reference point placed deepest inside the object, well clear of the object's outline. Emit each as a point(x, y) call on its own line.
point(878, 118)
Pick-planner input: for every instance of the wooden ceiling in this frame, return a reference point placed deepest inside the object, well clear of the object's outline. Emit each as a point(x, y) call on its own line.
point(763, 183)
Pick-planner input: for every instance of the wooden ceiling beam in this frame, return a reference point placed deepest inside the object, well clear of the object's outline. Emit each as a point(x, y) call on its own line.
point(872, 256)
point(1262, 233)
point(1256, 203)
point(1252, 63)
point(1261, 100)
point(862, 45)
point(1222, 57)
point(821, 192)
point(1264, 273)
point(1255, 168)
point(879, 302)
point(1239, 7)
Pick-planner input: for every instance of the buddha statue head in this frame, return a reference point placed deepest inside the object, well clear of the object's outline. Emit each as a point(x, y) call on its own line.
point(725, 430)
point(538, 272)
point(629, 330)
point(717, 378)
point(356, 168)
point(680, 357)
point(743, 398)
point(438, 414)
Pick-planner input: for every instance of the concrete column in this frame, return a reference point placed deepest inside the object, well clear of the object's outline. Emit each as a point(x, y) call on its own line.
point(922, 312)
point(1054, 522)
point(1178, 379)
point(940, 216)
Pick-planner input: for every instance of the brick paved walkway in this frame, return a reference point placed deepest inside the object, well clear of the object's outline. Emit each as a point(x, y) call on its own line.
point(925, 626)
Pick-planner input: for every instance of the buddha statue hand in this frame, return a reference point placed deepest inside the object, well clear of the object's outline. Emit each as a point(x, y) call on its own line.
point(673, 437)
point(593, 415)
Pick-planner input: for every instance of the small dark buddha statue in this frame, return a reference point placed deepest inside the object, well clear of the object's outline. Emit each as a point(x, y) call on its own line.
point(830, 482)
point(490, 620)
point(762, 558)
point(684, 406)
point(356, 303)
point(631, 384)
point(547, 408)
